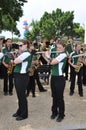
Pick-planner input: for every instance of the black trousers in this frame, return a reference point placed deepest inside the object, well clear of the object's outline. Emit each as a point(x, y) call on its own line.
point(79, 80)
point(21, 82)
point(40, 87)
point(57, 90)
point(84, 74)
point(8, 82)
point(66, 70)
point(31, 85)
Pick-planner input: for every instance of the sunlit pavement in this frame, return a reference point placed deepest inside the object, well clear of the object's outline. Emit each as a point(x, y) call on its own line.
point(39, 109)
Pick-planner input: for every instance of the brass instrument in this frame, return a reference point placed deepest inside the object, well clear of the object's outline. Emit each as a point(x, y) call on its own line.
point(10, 68)
point(31, 71)
point(11, 65)
point(79, 65)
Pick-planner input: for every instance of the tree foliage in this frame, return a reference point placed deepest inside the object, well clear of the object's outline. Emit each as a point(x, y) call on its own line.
point(10, 12)
point(56, 23)
point(78, 30)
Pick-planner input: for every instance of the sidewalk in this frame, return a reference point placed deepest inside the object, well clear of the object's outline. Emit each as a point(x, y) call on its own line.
point(40, 110)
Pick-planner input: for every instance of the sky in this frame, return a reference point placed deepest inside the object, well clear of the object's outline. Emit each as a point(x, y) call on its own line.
point(34, 10)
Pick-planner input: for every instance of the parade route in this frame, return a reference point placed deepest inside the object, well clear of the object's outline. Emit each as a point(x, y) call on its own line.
point(39, 109)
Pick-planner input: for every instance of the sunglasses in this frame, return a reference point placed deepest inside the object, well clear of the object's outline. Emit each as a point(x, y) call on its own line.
point(21, 45)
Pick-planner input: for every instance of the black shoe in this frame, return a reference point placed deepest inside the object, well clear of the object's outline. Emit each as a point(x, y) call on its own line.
point(69, 80)
point(15, 115)
point(71, 93)
point(33, 95)
point(81, 94)
point(19, 118)
point(5, 93)
point(27, 95)
point(44, 90)
point(66, 78)
point(10, 93)
point(53, 116)
point(59, 118)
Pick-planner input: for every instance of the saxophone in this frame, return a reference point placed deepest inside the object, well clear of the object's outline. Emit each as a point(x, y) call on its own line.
point(31, 71)
point(10, 68)
point(78, 67)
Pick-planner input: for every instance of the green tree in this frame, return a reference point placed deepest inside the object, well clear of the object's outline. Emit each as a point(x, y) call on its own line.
point(47, 26)
point(10, 12)
point(56, 23)
point(32, 35)
point(78, 31)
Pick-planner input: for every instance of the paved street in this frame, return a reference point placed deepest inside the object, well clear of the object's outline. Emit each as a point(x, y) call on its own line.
point(40, 111)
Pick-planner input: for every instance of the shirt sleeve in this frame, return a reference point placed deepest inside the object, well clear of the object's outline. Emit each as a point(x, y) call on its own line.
point(61, 57)
point(1, 55)
point(23, 56)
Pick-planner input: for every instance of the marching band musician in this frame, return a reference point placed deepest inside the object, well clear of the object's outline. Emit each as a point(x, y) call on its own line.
point(58, 82)
point(84, 64)
point(73, 64)
point(69, 49)
point(31, 83)
point(1, 56)
point(2, 39)
point(53, 47)
point(36, 64)
point(44, 48)
point(52, 51)
point(7, 48)
point(21, 79)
